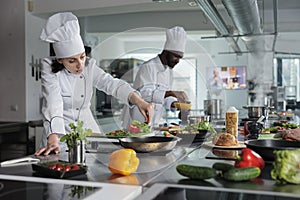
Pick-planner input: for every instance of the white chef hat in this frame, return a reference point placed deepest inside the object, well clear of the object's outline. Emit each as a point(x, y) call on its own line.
point(175, 39)
point(63, 31)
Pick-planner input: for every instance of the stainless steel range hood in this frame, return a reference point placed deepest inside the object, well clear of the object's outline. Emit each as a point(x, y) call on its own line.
point(245, 15)
point(246, 18)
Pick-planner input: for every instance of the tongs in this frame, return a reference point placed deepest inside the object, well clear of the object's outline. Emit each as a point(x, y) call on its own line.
point(19, 161)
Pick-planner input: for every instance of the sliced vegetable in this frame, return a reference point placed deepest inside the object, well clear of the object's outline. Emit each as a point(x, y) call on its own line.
point(123, 161)
point(249, 158)
point(134, 129)
point(241, 174)
point(196, 172)
point(135, 125)
point(286, 168)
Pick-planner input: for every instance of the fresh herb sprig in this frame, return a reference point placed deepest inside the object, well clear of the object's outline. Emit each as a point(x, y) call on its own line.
point(77, 134)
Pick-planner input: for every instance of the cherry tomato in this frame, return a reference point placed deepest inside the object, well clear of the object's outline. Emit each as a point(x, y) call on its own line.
point(67, 168)
point(75, 167)
point(58, 167)
point(51, 166)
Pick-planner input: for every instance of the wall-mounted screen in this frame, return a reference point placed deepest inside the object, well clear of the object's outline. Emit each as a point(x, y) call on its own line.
point(226, 77)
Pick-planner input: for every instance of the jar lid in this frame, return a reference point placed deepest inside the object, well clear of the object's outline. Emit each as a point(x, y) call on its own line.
point(232, 109)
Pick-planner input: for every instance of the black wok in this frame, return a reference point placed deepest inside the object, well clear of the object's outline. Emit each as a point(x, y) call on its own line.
point(266, 147)
point(149, 144)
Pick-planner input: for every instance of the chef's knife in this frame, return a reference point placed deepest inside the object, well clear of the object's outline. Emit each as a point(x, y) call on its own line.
point(19, 161)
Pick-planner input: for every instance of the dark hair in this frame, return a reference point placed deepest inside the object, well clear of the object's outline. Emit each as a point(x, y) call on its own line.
point(56, 66)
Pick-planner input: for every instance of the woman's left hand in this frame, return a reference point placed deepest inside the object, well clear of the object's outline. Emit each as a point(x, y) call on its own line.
point(52, 146)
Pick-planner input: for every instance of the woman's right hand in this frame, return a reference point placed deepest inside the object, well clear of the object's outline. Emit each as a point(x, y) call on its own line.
point(52, 146)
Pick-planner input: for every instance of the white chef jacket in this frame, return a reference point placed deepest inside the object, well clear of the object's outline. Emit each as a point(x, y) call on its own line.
point(153, 79)
point(67, 96)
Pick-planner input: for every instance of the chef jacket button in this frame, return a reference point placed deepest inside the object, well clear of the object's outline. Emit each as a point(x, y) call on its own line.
point(82, 95)
point(81, 77)
point(77, 108)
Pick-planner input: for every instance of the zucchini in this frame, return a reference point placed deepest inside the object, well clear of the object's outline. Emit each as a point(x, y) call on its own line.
point(241, 174)
point(223, 167)
point(196, 172)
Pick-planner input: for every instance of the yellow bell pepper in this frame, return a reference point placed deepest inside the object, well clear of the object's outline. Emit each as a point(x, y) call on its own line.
point(120, 179)
point(123, 161)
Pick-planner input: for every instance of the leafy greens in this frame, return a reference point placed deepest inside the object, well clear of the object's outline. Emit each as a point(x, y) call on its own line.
point(286, 168)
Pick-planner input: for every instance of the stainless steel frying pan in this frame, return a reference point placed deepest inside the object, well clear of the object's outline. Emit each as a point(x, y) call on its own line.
point(149, 144)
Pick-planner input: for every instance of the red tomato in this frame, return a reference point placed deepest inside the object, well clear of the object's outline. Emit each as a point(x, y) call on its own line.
point(58, 167)
point(134, 129)
point(67, 168)
point(51, 166)
point(75, 167)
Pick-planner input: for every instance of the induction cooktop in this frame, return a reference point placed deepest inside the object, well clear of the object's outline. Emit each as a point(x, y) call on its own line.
point(13, 189)
point(30, 188)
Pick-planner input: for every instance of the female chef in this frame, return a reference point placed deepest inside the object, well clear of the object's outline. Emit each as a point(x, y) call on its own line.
point(68, 81)
point(154, 79)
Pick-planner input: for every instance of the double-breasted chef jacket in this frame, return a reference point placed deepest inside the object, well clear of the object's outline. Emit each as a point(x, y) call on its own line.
point(152, 80)
point(67, 96)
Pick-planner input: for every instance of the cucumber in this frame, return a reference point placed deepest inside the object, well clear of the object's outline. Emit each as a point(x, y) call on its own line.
point(241, 174)
point(196, 172)
point(223, 167)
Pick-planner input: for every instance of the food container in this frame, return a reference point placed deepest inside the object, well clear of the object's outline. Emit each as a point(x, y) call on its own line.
point(149, 144)
point(197, 119)
point(232, 121)
point(43, 169)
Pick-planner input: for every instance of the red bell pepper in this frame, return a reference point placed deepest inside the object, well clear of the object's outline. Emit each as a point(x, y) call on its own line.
point(249, 158)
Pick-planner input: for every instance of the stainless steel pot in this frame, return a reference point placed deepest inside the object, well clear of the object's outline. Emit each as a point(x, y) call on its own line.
point(256, 111)
point(213, 108)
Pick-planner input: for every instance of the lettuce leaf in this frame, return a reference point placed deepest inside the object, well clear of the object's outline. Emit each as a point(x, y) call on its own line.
point(286, 168)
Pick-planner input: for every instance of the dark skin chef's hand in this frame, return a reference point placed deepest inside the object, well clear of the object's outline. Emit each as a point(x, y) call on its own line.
point(145, 108)
point(52, 146)
point(180, 95)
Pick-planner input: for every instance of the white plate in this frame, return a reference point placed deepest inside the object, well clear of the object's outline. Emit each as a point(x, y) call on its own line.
point(239, 146)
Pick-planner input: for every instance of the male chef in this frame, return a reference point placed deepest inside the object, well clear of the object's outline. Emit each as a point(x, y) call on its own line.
point(154, 79)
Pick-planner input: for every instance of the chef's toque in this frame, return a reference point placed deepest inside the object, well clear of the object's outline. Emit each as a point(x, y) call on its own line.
point(63, 31)
point(175, 39)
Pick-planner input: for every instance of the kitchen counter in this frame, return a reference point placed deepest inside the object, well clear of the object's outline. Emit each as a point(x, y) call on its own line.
point(160, 169)
point(263, 185)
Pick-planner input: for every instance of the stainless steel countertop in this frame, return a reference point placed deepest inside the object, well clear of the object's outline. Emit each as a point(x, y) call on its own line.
point(151, 165)
point(161, 168)
point(262, 184)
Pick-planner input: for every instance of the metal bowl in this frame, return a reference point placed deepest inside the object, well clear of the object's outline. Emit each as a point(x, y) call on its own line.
point(266, 147)
point(149, 144)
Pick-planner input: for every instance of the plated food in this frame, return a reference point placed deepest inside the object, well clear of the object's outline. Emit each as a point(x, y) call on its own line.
point(136, 128)
point(225, 139)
